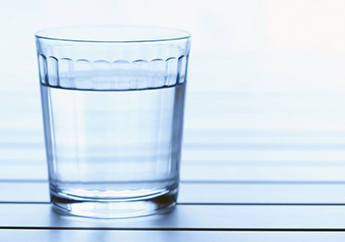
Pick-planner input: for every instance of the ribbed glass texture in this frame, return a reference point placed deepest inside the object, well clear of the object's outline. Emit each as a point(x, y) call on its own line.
point(113, 103)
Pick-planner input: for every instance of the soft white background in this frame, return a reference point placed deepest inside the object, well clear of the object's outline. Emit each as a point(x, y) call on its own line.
point(270, 45)
point(255, 64)
point(266, 84)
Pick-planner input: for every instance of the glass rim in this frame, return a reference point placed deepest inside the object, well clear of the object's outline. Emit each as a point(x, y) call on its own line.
point(171, 34)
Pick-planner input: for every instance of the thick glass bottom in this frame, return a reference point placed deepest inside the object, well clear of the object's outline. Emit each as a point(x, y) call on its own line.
point(114, 208)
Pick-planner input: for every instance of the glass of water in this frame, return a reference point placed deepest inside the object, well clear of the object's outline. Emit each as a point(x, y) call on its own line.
point(113, 104)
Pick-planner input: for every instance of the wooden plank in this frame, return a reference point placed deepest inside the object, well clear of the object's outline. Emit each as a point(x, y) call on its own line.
point(314, 154)
point(207, 193)
point(185, 217)
point(261, 193)
point(20, 192)
point(206, 171)
point(34, 235)
point(212, 155)
point(260, 173)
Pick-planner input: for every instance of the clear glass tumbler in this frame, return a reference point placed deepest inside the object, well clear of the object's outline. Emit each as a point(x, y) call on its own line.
point(113, 104)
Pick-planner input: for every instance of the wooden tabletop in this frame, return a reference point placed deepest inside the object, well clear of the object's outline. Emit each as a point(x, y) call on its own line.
point(237, 184)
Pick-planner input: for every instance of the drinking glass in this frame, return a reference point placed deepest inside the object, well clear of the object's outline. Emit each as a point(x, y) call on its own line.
point(113, 103)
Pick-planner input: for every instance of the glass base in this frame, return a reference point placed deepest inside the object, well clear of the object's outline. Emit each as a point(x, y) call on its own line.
point(114, 208)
